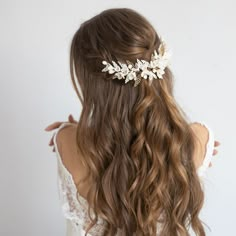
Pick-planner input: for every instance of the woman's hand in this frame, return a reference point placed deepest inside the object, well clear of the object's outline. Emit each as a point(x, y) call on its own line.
point(216, 144)
point(55, 125)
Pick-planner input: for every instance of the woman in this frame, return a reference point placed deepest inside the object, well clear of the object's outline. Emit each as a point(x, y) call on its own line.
point(133, 158)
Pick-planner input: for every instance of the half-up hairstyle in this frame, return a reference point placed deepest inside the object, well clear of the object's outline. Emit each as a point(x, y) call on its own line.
point(136, 142)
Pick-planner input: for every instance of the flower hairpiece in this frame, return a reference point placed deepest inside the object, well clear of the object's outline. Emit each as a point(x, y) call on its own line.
point(149, 70)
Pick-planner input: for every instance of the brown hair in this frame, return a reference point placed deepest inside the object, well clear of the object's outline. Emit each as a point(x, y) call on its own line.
point(135, 141)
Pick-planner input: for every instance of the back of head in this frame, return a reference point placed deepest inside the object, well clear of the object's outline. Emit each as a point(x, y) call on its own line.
point(135, 141)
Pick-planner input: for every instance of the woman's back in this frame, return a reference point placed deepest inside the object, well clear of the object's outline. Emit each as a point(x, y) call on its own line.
point(71, 171)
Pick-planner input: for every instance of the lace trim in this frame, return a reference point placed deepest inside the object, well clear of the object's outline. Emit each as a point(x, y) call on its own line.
point(74, 209)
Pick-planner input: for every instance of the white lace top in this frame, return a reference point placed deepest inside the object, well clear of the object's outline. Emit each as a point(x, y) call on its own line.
point(75, 211)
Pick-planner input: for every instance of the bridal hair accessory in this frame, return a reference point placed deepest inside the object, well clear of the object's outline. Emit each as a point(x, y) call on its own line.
point(149, 70)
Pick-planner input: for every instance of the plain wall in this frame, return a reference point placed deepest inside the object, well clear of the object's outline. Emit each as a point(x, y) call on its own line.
point(36, 90)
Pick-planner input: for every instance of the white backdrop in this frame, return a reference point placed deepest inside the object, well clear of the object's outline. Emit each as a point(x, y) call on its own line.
point(36, 91)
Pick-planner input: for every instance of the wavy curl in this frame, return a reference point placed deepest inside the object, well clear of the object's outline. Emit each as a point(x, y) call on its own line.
point(136, 143)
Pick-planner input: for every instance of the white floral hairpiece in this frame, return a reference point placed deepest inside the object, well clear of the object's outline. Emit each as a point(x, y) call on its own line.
point(149, 70)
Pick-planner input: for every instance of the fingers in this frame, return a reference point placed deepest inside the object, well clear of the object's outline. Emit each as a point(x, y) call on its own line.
point(217, 143)
point(214, 152)
point(71, 119)
point(53, 126)
point(51, 141)
point(56, 124)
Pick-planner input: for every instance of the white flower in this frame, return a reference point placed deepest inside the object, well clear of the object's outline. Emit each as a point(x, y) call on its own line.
point(148, 74)
point(124, 68)
point(149, 70)
point(115, 66)
point(130, 76)
point(119, 75)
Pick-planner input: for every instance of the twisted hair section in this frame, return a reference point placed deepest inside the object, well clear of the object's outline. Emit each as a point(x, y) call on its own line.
point(136, 143)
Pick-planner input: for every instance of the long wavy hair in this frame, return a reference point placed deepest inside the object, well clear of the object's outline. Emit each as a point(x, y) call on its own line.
point(136, 142)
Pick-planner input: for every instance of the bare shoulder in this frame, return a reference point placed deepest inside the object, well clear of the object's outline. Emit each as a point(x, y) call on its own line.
point(201, 138)
point(65, 133)
point(68, 149)
point(200, 130)
point(66, 138)
point(71, 158)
